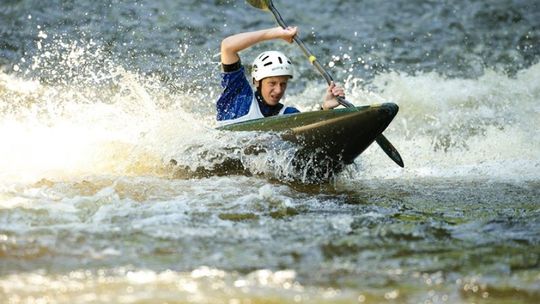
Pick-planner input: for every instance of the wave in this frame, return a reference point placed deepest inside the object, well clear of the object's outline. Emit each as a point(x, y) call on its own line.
point(97, 117)
point(454, 127)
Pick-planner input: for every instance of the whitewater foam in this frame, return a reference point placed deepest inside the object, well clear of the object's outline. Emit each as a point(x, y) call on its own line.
point(480, 128)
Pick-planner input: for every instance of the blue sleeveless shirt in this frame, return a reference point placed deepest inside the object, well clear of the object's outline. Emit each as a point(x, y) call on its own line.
point(237, 96)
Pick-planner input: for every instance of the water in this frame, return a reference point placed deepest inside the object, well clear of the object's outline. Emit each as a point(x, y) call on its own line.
point(97, 98)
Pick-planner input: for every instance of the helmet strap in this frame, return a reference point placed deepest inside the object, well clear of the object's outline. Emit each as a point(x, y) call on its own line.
point(258, 86)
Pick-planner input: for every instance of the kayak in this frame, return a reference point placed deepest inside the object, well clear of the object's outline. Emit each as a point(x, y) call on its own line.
point(327, 140)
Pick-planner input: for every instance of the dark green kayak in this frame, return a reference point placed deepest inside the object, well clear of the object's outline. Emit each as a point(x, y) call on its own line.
point(327, 140)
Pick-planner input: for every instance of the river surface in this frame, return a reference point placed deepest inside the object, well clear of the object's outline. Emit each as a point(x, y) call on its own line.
point(97, 97)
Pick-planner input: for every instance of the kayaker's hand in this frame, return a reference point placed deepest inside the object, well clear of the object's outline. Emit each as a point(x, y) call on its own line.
point(330, 101)
point(286, 34)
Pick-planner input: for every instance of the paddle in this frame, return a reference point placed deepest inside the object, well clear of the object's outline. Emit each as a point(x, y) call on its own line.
point(266, 5)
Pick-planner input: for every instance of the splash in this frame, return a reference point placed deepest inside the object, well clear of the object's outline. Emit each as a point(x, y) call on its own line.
point(453, 127)
point(73, 111)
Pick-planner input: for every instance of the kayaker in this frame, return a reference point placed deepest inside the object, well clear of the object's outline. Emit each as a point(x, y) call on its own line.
point(271, 72)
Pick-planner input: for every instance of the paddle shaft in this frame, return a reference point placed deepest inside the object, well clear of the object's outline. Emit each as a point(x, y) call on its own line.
point(309, 55)
point(381, 140)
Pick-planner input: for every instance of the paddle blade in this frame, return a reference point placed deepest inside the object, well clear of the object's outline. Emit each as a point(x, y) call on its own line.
point(260, 4)
point(389, 149)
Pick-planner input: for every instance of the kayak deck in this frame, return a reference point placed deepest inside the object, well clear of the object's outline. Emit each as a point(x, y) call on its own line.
point(327, 140)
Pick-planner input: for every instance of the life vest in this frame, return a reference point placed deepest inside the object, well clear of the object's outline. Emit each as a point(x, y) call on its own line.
point(253, 113)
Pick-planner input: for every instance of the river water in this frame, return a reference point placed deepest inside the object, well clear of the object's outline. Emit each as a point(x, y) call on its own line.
point(97, 97)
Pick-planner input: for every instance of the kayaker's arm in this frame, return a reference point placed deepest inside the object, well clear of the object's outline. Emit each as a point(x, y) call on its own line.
point(231, 45)
point(329, 100)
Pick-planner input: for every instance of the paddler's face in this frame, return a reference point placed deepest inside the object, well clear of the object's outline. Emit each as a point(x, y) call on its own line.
point(273, 89)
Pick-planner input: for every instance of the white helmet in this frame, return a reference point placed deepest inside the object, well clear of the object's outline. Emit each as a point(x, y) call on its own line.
point(271, 63)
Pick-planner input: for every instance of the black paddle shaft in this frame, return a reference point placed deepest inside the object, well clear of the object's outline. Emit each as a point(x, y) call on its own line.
point(309, 54)
point(381, 140)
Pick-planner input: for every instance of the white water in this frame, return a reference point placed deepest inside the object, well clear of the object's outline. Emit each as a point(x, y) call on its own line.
point(89, 211)
point(453, 128)
point(485, 128)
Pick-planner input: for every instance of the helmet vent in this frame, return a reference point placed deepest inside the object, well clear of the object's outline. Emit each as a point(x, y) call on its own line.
point(280, 61)
point(265, 58)
point(268, 63)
